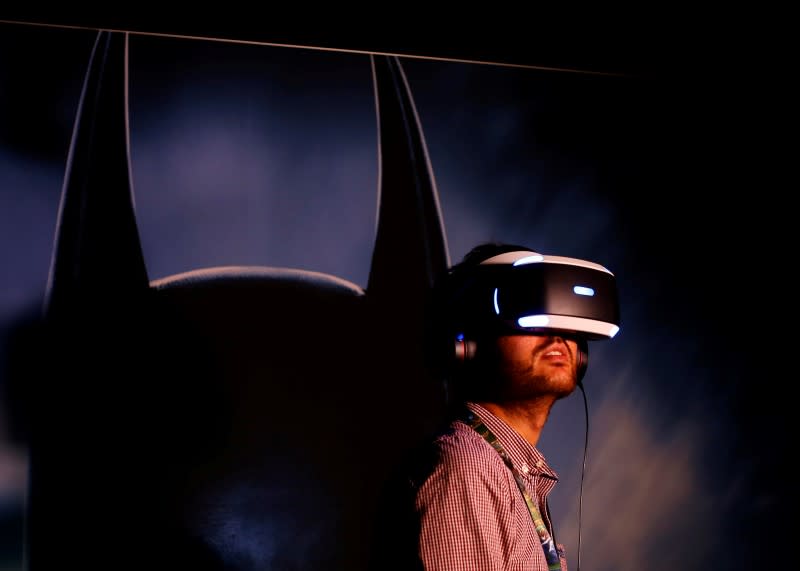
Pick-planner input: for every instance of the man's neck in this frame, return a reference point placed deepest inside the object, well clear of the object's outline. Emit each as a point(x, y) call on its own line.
point(527, 417)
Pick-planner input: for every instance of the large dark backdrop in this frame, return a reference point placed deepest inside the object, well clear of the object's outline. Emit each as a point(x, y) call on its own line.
point(662, 170)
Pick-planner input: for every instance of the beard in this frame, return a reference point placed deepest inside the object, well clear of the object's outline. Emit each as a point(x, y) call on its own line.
point(556, 384)
point(504, 372)
point(534, 377)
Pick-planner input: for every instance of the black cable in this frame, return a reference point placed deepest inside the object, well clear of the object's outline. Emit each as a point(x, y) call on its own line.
point(583, 472)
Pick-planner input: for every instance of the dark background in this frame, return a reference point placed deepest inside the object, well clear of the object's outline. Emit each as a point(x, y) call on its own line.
point(652, 149)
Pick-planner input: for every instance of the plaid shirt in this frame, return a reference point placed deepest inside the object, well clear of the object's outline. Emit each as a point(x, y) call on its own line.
point(473, 516)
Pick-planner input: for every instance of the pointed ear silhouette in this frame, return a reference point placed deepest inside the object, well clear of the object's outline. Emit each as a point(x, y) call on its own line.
point(97, 256)
point(206, 399)
point(410, 249)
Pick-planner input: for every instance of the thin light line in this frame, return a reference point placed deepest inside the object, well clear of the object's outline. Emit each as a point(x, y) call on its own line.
point(320, 48)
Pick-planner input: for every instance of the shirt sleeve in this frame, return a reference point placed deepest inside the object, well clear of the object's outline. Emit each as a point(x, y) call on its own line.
point(466, 510)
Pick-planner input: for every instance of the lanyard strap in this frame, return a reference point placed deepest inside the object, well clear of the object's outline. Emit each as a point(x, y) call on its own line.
point(550, 552)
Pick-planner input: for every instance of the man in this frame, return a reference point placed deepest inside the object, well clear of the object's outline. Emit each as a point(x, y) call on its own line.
point(476, 497)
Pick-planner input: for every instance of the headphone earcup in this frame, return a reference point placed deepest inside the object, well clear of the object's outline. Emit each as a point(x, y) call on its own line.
point(464, 350)
point(582, 359)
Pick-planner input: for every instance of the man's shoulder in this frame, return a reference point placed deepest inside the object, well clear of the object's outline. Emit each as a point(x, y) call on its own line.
point(457, 446)
point(460, 442)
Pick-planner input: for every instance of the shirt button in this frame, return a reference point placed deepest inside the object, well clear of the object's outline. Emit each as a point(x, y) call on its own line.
point(524, 468)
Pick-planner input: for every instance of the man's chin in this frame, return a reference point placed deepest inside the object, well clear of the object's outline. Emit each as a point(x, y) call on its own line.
point(563, 384)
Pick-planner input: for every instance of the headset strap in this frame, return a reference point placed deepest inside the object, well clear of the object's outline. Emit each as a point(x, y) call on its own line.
point(548, 544)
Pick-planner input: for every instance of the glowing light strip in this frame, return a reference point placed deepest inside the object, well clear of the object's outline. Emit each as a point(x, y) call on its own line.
point(528, 260)
point(524, 257)
point(568, 323)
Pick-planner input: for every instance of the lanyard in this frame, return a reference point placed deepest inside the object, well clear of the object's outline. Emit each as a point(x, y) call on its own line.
point(550, 552)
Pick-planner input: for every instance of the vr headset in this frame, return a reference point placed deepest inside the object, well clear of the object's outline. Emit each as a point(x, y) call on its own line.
point(530, 293)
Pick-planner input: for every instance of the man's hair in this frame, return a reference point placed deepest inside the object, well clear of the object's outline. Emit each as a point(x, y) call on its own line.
point(475, 256)
point(449, 289)
point(445, 320)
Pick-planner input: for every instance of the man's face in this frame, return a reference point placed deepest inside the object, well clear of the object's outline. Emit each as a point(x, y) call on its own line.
point(535, 365)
